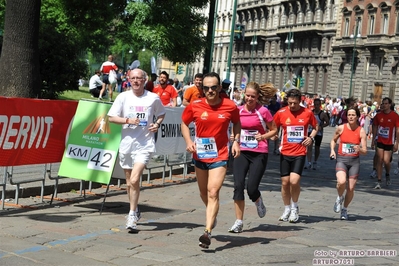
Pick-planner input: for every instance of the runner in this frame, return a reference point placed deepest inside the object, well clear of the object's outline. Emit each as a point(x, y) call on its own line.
point(257, 127)
point(386, 129)
point(294, 120)
point(322, 121)
point(212, 116)
point(352, 142)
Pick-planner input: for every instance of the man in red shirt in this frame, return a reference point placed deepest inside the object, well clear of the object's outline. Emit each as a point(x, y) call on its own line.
point(212, 116)
point(165, 91)
point(194, 92)
point(295, 120)
point(386, 129)
point(106, 67)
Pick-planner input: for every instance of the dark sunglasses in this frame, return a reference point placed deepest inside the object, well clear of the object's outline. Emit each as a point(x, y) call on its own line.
point(206, 88)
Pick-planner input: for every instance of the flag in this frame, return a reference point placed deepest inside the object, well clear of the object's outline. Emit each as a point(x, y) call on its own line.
point(288, 86)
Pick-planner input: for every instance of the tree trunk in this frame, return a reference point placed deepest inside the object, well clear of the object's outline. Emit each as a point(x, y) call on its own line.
point(19, 61)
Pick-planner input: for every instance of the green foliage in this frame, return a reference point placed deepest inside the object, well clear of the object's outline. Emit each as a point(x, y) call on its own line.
point(172, 28)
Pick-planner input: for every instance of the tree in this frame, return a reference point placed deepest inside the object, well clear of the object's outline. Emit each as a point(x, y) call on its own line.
point(173, 28)
point(19, 61)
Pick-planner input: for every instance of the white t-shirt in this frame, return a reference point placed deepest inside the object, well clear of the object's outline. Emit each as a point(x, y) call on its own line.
point(137, 138)
point(94, 82)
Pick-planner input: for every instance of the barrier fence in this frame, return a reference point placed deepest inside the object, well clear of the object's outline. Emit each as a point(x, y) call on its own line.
point(33, 134)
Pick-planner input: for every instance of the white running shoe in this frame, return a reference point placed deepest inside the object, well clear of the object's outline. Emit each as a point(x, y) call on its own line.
point(378, 185)
point(285, 215)
point(338, 204)
point(260, 207)
point(237, 227)
point(294, 215)
point(344, 214)
point(131, 222)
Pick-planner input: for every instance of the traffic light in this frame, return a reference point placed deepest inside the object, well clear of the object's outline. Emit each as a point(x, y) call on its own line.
point(301, 82)
point(176, 67)
point(180, 69)
point(239, 32)
point(295, 81)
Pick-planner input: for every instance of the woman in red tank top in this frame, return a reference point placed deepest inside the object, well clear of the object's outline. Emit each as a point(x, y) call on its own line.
point(352, 143)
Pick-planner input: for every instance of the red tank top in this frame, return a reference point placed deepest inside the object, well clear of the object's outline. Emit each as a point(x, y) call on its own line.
point(348, 139)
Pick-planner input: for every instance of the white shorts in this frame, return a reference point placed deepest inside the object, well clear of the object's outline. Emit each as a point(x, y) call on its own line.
point(127, 161)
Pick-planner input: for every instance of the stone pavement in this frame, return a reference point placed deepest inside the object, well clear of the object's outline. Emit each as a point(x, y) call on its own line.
point(73, 232)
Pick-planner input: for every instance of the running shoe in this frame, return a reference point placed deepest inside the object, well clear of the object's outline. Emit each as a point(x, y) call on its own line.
point(100, 98)
point(237, 227)
point(308, 166)
point(396, 171)
point(338, 204)
point(373, 174)
point(205, 239)
point(260, 207)
point(388, 180)
point(378, 185)
point(131, 222)
point(138, 214)
point(344, 214)
point(294, 215)
point(314, 165)
point(285, 215)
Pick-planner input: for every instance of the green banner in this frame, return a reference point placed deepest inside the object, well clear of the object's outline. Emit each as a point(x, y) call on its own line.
point(92, 145)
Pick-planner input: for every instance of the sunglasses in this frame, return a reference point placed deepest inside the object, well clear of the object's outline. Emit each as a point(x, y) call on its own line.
point(206, 88)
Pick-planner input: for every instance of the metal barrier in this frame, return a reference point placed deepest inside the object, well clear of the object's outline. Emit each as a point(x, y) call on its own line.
point(3, 175)
point(18, 175)
point(179, 159)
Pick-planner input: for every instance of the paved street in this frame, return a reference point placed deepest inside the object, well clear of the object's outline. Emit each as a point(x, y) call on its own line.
point(73, 232)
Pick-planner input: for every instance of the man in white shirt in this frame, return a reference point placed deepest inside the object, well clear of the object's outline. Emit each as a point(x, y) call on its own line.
point(135, 110)
point(95, 84)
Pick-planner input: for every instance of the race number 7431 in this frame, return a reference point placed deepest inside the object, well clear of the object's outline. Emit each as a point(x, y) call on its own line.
point(101, 160)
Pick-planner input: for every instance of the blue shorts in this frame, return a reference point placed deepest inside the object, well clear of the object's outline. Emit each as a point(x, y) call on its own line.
point(209, 166)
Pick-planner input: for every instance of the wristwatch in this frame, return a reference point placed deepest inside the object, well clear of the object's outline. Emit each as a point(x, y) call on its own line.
point(237, 140)
point(312, 139)
point(159, 125)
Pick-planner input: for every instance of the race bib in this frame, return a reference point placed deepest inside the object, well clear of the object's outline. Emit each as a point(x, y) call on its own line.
point(248, 139)
point(140, 112)
point(383, 132)
point(348, 148)
point(295, 134)
point(206, 148)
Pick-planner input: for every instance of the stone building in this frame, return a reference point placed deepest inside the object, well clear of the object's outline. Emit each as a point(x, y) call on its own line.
point(365, 53)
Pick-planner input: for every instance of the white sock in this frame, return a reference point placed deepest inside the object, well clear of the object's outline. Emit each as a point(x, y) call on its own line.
point(239, 221)
point(294, 205)
point(131, 212)
point(287, 207)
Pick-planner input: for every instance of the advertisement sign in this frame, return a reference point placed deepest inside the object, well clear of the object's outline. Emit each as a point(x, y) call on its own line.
point(92, 145)
point(32, 131)
point(169, 139)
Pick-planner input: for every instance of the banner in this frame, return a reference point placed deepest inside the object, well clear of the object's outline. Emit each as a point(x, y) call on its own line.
point(169, 139)
point(92, 145)
point(33, 131)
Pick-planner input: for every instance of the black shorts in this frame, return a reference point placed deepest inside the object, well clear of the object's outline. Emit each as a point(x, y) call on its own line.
point(384, 146)
point(317, 139)
point(289, 164)
point(105, 78)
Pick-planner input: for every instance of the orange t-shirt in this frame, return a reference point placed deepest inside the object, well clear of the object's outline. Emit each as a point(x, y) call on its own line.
point(211, 127)
point(386, 124)
point(166, 94)
point(295, 126)
point(193, 93)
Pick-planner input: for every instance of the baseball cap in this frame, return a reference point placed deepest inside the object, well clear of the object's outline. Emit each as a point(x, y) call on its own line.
point(226, 81)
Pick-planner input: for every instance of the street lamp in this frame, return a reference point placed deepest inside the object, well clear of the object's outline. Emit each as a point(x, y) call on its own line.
point(354, 36)
point(288, 41)
point(253, 43)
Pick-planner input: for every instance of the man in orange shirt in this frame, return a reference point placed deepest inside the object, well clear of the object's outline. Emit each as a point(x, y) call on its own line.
point(194, 92)
point(165, 91)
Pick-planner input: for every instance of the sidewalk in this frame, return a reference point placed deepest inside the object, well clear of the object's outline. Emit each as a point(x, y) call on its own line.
point(73, 232)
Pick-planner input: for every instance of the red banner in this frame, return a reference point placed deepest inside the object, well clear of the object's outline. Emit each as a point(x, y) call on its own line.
point(33, 131)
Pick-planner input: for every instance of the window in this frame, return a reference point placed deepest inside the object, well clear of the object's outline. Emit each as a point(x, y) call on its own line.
point(371, 25)
point(385, 24)
point(346, 30)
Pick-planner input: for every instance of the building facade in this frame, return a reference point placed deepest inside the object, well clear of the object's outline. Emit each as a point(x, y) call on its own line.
point(365, 54)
